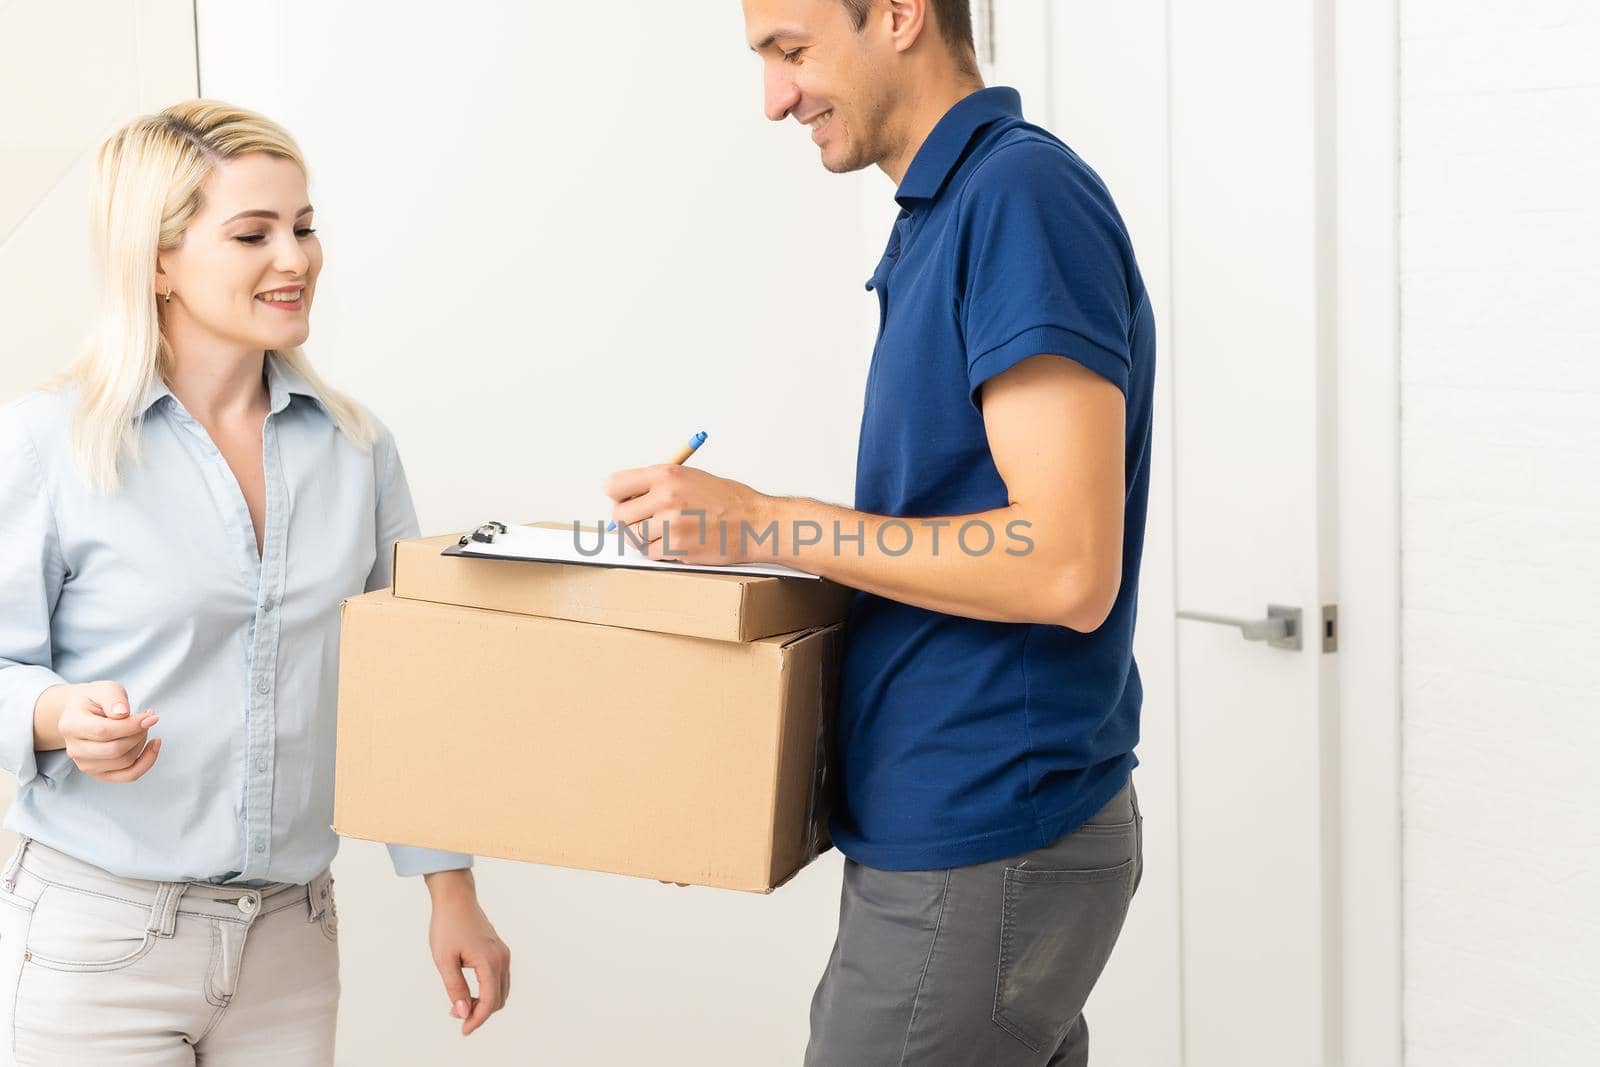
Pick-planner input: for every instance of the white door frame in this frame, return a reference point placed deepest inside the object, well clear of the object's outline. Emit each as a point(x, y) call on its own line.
point(1363, 44)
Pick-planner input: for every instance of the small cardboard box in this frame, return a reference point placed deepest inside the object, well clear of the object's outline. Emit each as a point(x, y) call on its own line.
point(580, 745)
point(725, 607)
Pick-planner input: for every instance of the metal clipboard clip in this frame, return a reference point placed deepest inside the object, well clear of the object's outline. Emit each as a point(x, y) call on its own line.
point(484, 534)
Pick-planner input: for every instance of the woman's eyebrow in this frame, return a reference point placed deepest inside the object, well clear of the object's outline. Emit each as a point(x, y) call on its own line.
point(260, 214)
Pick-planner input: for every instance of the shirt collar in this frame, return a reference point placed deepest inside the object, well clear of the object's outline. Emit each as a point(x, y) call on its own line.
point(940, 154)
point(283, 383)
point(153, 394)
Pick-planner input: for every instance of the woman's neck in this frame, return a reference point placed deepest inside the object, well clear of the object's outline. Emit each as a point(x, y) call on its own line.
point(217, 382)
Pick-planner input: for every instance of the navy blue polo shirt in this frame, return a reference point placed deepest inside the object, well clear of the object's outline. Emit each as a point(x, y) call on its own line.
point(962, 741)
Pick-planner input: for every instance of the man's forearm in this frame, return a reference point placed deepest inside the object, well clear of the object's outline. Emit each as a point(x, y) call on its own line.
point(989, 565)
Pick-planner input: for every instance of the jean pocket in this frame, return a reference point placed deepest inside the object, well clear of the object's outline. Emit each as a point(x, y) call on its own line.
point(77, 931)
point(1118, 816)
point(1057, 929)
point(13, 899)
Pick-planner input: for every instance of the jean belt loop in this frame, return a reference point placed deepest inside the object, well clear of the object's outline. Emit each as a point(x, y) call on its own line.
point(317, 891)
point(9, 878)
point(164, 910)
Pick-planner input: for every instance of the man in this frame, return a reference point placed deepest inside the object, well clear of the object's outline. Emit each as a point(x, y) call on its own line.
point(990, 701)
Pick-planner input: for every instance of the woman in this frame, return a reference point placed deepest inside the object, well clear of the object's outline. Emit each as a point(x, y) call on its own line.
point(179, 522)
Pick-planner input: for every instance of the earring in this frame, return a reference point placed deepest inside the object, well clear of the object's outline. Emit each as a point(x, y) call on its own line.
point(169, 296)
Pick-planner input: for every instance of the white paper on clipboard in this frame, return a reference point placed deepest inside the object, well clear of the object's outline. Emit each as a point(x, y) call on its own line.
point(550, 544)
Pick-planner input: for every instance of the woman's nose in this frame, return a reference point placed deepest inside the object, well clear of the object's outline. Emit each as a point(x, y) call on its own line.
point(291, 258)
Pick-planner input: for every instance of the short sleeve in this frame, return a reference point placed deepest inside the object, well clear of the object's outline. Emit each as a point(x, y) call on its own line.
point(31, 576)
point(1044, 266)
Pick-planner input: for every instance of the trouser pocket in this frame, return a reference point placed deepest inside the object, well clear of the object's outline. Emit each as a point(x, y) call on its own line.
point(1057, 931)
point(74, 930)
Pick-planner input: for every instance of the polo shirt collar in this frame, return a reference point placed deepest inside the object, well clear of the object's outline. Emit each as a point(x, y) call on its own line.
point(941, 153)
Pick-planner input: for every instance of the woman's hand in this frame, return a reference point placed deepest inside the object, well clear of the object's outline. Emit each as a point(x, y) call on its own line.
point(93, 723)
point(461, 937)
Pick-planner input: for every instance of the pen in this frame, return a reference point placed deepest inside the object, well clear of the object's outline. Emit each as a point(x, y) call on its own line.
point(682, 456)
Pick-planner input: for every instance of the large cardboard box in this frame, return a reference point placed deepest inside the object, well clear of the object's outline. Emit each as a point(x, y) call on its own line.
point(582, 745)
point(726, 607)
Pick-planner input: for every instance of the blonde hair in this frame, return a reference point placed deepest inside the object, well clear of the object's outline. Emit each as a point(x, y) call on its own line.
point(148, 177)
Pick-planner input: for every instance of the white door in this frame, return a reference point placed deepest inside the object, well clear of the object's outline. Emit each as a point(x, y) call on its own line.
point(1253, 477)
point(1206, 119)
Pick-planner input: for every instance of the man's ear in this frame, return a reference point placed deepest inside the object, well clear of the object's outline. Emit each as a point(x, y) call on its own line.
point(907, 20)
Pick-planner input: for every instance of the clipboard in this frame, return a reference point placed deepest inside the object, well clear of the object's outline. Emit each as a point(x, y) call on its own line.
point(591, 547)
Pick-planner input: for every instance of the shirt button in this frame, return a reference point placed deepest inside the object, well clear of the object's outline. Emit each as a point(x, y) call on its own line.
point(261, 846)
point(263, 685)
point(261, 766)
point(267, 604)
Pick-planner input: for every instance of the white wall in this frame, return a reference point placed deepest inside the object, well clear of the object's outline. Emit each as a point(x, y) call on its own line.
point(1500, 147)
point(560, 238)
point(69, 75)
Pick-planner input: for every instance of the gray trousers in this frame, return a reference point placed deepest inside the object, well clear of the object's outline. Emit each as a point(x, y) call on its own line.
point(987, 965)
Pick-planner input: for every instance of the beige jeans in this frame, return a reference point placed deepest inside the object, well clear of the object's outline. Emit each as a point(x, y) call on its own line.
point(97, 969)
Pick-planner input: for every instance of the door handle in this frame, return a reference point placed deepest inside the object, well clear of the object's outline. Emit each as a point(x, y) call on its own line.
point(1280, 629)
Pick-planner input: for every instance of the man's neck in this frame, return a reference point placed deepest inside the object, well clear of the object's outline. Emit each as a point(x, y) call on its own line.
point(931, 107)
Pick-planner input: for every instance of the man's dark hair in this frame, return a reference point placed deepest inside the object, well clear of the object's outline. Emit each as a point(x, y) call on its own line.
point(955, 26)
